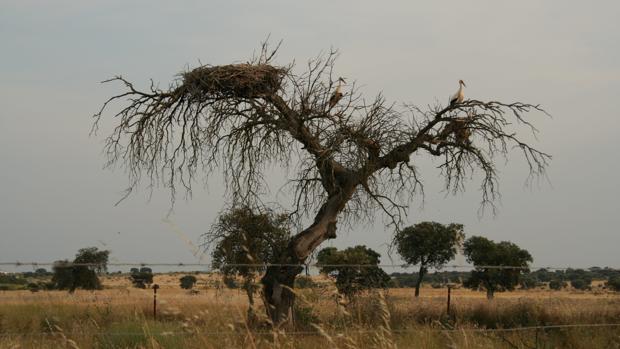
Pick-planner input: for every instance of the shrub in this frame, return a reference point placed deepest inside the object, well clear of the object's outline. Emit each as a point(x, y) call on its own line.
point(614, 283)
point(580, 284)
point(556, 284)
point(187, 282)
point(304, 282)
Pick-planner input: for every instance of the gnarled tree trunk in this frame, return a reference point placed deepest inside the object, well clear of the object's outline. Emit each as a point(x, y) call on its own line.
point(279, 280)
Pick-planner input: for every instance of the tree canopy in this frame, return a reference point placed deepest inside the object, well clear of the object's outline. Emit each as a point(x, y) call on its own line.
point(82, 272)
point(429, 245)
point(487, 255)
point(244, 239)
point(141, 278)
point(354, 269)
point(187, 282)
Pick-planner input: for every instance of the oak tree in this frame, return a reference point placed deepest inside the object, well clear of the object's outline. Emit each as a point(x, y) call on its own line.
point(429, 245)
point(499, 266)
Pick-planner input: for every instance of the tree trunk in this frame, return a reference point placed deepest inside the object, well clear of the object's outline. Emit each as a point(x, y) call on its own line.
point(250, 292)
point(419, 282)
point(490, 293)
point(279, 280)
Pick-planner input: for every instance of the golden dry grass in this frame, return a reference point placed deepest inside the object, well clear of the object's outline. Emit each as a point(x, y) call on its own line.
point(121, 317)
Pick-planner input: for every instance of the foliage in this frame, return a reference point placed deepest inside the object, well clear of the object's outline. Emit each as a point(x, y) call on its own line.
point(244, 237)
point(351, 278)
point(529, 281)
point(614, 283)
point(483, 252)
point(13, 279)
point(141, 278)
point(188, 281)
point(429, 245)
point(556, 284)
point(72, 275)
point(580, 284)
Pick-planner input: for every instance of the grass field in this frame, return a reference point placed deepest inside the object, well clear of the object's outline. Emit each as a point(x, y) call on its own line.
point(121, 317)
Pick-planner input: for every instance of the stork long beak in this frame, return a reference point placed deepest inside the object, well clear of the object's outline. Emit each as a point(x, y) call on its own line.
point(463, 82)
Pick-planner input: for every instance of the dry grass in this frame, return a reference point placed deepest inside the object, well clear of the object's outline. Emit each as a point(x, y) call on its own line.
point(121, 317)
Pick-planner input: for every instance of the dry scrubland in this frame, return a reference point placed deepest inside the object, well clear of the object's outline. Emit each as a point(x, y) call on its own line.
point(121, 317)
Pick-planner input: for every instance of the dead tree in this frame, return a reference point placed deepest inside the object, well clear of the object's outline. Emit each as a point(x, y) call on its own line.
point(350, 160)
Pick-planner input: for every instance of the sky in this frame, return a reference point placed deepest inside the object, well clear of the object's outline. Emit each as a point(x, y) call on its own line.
point(56, 197)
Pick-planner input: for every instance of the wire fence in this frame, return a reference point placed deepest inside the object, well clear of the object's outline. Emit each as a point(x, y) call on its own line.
point(209, 267)
point(316, 333)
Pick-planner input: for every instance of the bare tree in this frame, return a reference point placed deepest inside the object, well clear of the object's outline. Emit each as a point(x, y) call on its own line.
point(350, 160)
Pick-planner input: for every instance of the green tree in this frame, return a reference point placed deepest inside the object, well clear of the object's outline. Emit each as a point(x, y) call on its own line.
point(484, 254)
point(581, 284)
point(529, 281)
point(429, 245)
point(243, 239)
point(188, 282)
point(355, 269)
point(557, 284)
point(613, 283)
point(141, 278)
point(82, 272)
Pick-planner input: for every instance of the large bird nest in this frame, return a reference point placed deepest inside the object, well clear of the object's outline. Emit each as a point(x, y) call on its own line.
point(233, 80)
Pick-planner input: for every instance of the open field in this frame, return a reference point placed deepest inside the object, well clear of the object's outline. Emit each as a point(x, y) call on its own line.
point(120, 317)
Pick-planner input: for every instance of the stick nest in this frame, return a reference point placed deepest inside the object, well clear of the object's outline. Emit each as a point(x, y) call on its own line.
point(233, 80)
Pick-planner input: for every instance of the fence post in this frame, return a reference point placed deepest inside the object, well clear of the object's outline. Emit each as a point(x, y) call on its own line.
point(449, 292)
point(155, 287)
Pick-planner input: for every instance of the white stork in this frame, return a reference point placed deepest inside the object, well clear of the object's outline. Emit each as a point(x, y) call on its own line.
point(337, 95)
point(459, 95)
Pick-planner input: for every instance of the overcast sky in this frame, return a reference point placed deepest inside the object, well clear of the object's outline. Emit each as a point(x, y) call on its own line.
point(55, 197)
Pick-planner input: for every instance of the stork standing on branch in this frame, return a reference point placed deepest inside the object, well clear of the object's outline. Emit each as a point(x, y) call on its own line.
point(459, 96)
point(337, 95)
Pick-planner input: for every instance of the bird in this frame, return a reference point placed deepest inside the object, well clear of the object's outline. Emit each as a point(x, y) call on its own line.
point(458, 96)
point(337, 95)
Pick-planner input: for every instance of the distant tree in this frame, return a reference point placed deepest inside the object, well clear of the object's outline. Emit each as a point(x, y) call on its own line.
point(72, 275)
point(141, 278)
point(529, 281)
point(355, 269)
point(580, 277)
point(62, 277)
point(242, 240)
point(40, 272)
point(580, 284)
point(557, 284)
point(614, 283)
point(188, 282)
point(33, 287)
point(483, 252)
point(429, 245)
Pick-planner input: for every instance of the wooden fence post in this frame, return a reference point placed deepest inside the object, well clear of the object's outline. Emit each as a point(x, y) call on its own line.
point(155, 287)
